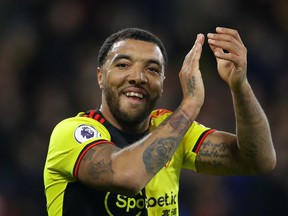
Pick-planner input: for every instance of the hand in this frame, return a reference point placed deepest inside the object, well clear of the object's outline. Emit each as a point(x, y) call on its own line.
point(190, 74)
point(231, 63)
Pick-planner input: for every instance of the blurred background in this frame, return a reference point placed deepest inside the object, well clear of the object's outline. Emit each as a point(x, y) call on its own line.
point(48, 52)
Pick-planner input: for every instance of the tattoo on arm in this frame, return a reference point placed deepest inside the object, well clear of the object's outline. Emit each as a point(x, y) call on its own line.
point(97, 166)
point(251, 150)
point(213, 154)
point(180, 123)
point(88, 155)
point(161, 150)
point(191, 84)
point(158, 153)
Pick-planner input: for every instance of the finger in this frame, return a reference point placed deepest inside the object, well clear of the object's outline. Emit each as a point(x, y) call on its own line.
point(193, 57)
point(200, 39)
point(214, 48)
point(235, 56)
point(230, 36)
point(232, 32)
point(228, 43)
point(225, 41)
point(219, 53)
point(197, 49)
point(238, 60)
point(228, 46)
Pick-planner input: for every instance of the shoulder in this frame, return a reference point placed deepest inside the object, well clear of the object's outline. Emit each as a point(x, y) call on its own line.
point(158, 116)
point(160, 112)
point(80, 128)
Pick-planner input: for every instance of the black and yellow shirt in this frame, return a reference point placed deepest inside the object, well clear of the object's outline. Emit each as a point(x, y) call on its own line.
point(73, 137)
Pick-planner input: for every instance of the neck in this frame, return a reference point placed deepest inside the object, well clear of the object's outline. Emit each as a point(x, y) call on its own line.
point(124, 126)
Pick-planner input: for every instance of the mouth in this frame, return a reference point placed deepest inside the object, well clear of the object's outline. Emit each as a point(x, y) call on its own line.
point(134, 95)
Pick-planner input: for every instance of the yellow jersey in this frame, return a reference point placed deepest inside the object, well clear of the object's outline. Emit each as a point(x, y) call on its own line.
point(73, 137)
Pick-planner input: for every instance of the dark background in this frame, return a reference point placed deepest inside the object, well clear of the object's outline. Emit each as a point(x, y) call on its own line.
point(48, 52)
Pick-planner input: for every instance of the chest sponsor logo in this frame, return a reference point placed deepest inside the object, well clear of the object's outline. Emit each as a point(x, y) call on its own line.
point(116, 204)
point(165, 200)
point(85, 132)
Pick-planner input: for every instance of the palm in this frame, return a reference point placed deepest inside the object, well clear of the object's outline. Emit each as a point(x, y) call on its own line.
point(232, 64)
point(225, 68)
point(232, 72)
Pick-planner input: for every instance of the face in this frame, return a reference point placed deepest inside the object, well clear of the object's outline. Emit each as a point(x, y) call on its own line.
point(132, 81)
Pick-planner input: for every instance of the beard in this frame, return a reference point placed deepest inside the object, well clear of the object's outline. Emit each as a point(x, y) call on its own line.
point(126, 117)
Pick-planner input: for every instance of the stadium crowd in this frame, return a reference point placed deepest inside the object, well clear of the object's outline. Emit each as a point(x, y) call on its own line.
point(48, 52)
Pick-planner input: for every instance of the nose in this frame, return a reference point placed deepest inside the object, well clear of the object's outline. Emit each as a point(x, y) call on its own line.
point(137, 76)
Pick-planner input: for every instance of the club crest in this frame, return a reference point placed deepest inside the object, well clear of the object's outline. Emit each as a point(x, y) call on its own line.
point(85, 132)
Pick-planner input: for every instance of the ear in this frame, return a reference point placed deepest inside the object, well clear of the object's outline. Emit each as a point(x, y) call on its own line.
point(100, 77)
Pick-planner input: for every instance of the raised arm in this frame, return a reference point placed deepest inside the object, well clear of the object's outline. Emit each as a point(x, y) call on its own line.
point(128, 170)
point(251, 150)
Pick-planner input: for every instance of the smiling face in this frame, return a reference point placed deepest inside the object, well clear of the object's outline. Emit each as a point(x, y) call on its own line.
point(131, 81)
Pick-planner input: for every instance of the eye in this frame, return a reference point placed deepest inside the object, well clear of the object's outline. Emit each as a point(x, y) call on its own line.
point(122, 65)
point(155, 70)
point(152, 69)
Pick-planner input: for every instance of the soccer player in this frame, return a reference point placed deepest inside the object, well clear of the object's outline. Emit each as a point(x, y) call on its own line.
point(125, 157)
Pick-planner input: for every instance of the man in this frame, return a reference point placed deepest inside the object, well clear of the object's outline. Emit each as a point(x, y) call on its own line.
point(125, 158)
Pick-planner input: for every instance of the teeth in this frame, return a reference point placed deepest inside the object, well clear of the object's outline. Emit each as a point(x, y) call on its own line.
point(134, 94)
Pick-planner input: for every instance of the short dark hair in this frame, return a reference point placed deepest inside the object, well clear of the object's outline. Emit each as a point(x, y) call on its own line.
point(130, 33)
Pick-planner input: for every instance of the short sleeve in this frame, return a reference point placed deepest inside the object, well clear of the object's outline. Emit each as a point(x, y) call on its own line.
point(68, 140)
point(192, 142)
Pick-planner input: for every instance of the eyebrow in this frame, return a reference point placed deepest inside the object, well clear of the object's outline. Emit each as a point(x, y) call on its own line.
point(124, 56)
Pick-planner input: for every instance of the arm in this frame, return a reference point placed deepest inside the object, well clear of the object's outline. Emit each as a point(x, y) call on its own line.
point(251, 151)
point(128, 170)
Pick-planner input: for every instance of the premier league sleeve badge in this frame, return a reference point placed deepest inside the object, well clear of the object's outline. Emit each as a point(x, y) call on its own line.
point(85, 132)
